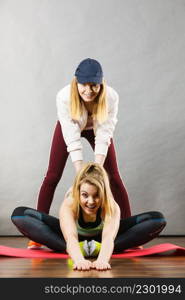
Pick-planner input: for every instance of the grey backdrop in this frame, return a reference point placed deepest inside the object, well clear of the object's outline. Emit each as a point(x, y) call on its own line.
point(141, 45)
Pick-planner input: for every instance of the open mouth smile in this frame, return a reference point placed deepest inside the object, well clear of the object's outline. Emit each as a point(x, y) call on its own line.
point(91, 207)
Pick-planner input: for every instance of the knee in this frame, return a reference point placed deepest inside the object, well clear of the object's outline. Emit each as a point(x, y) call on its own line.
point(156, 216)
point(159, 217)
point(156, 222)
point(23, 211)
point(33, 213)
point(23, 218)
point(18, 211)
point(159, 223)
point(18, 216)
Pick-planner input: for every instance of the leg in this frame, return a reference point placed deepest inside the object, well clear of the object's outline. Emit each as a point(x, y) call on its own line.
point(39, 227)
point(116, 184)
point(57, 161)
point(138, 230)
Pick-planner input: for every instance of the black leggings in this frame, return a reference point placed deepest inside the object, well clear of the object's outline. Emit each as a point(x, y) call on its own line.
point(45, 229)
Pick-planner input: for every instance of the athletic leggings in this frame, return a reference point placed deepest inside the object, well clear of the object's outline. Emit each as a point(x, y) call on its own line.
point(45, 229)
point(57, 161)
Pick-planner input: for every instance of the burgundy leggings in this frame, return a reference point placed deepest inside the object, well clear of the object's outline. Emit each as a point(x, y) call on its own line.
point(57, 161)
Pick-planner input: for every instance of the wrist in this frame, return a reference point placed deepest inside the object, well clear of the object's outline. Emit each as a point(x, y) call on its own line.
point(78, 260)
point(100, 158)
point(99, 259)
point(78, 165)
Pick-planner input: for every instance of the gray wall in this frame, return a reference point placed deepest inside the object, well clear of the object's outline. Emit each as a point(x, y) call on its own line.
point(140, 44)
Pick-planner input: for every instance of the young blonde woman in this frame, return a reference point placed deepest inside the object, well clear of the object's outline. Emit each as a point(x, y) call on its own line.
point(89, 223)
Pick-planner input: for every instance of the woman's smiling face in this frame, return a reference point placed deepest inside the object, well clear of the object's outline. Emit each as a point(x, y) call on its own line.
point(89, 199)
point(88, 91)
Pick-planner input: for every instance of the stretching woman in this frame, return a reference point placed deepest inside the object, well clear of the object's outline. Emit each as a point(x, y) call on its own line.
point(89, 223)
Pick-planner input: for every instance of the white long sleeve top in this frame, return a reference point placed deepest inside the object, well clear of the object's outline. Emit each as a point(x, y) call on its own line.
point(71, 129)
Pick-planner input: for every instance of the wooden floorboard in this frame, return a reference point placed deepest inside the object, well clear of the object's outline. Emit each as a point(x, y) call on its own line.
point(148, 266)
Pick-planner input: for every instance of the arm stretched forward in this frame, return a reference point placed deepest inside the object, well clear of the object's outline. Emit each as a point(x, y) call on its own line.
point(108, 236)
point(68, 227)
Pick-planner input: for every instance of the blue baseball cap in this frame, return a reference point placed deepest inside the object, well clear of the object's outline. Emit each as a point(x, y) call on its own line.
point(89, 70)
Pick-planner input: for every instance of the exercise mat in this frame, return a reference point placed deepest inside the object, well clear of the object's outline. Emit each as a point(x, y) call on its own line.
point(47, 253)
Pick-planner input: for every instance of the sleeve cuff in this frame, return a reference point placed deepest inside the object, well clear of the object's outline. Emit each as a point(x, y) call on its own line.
point(76, 155)
point(101, 149)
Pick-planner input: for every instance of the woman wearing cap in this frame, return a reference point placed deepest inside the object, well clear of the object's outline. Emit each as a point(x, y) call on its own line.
point(86, 108)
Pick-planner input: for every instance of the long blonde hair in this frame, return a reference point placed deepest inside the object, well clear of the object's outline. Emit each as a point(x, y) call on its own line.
point(96, 175)
point(100, 109)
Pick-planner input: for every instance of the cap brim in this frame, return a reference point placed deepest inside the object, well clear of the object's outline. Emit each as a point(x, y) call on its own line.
point(89, 80)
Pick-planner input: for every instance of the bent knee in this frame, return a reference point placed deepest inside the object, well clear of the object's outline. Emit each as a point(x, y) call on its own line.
point(18, 211)
point(156, 216)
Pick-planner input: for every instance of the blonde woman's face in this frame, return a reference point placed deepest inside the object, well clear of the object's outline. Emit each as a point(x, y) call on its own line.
point(88, 91)
point(89, 199)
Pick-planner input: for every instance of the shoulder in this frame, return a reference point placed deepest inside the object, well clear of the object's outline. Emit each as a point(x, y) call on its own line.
point(115, 210)
point(115, 207)
point(64, 93)
point(115, 213)
point(68, 200)
point(66, 207)
point(68, 196)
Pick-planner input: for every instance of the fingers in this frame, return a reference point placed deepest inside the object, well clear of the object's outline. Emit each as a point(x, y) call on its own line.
point(86, 265)
point(101, 266)
point(82, 265)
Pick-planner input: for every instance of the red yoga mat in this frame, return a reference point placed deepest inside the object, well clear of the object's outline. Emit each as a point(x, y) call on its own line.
point(47, 253)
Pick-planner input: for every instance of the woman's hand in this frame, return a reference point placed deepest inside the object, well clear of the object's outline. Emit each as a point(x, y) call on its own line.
point(100, 265)
point(82, 265)
point(78, 165)
point(100, 158)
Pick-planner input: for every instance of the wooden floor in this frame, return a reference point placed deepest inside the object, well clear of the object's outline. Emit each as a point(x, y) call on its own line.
point(153, 266)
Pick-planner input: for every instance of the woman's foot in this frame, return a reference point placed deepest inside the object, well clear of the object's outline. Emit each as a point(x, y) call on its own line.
point(34, 246)
point(137, 248)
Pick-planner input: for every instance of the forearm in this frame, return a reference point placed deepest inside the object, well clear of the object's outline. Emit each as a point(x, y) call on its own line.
point(107, 247)
point(100, 158)
point(77, 165)
point(73, 249)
